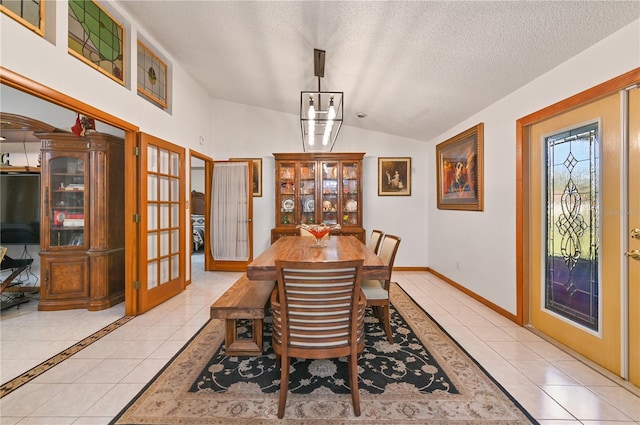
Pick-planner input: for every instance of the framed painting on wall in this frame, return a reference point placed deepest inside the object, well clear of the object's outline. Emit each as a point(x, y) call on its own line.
point(394, 176)
point(460, 175)
point(257, 174)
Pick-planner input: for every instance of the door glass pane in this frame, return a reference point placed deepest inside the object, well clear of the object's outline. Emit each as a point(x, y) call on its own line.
point(152, 187)
point(164, 188)
point(175, 266)
point(164, 216)
point(175, 241)
point(572, 261)
point(152, 158)
point(164, 270)
point(174, 215)
point(152, 275)
point(164, 161)
point(152, 246)
point(175, 190)
point(175, 164)
point(152, 217)
point(164, 243)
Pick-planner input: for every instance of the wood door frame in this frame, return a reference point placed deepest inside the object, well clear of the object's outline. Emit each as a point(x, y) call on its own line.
point(208, 164)
point(19, 82)
point(522, 177)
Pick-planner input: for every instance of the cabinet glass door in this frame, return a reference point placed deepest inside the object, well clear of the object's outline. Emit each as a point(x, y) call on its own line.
point(287, 174)
point(350, 206)
point(330, 188)
point(307, 192)
point(67, 200)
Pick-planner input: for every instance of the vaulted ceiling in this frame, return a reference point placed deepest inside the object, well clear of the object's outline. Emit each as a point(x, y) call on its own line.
point(415, 68)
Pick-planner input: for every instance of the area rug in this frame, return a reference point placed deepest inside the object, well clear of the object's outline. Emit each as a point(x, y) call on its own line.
point(425, 377)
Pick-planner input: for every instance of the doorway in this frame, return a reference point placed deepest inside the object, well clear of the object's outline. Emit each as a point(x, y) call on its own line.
point(579, 211)
point(198, 207)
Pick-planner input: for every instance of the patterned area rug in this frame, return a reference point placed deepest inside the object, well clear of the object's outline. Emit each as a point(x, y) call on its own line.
point(423, 378)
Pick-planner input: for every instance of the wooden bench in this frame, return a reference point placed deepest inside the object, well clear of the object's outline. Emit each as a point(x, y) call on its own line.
point(245, 299)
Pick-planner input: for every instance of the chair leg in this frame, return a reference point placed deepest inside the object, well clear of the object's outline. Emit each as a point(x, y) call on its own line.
point(284, 386)
point(387, 323)
point(353, 383)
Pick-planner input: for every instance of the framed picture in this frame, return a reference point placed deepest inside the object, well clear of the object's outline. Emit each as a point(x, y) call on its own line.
point(394, 176)
point(257, 174)
point(460, 174)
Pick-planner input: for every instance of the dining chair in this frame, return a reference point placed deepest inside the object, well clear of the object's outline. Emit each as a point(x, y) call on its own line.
point(318, 313)
point(377, 291)
point(375, 239)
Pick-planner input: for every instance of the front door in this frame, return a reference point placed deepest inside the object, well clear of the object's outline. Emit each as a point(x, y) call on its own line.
point(582, 212)
point(162, 241)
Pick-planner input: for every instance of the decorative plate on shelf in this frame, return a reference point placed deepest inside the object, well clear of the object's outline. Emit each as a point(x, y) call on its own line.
point(287, 204)
point(309, 205)
point(351, 205)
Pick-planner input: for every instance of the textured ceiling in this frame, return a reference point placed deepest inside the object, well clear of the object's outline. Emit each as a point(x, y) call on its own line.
point(415, 68)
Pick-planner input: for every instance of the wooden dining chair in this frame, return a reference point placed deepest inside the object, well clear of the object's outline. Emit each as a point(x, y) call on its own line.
point(375, 239)
point(377, 291)
point(318, 313)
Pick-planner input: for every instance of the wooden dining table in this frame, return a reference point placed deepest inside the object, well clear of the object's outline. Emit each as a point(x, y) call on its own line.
point(300, 248)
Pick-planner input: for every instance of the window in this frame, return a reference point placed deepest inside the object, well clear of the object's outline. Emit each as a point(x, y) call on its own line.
point(29, 13)
point(152, 76)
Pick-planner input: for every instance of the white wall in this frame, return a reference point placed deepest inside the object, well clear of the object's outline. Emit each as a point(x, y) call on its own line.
point(245, 131)
point(477, 249)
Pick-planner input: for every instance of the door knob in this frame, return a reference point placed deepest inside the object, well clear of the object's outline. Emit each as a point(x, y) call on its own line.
point(635, 233)
point(635, 254)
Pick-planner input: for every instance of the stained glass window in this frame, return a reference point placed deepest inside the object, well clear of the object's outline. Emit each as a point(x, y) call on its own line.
point(29, 13)
point(152, 76)
point(572, 223)
point(96, 38)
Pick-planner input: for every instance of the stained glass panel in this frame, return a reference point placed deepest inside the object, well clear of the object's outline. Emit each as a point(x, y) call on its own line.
point(152, 76)
point(96, 38)
point(572, 260)
point(29, 13)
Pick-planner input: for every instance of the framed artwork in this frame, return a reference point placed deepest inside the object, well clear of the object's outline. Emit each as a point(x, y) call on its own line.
point(96, 38)
point(257, 174)
point(394, 176)
point(460, 174)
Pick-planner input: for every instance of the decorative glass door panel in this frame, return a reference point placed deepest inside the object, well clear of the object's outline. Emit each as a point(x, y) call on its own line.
point(164, 238)
point(67, 200)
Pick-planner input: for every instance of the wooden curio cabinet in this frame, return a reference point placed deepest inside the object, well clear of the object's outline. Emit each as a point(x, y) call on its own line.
point(316, 188)
point(82, 223)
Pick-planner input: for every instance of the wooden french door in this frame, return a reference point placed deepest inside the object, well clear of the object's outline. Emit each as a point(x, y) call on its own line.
point(583, 206)
point(162, 239)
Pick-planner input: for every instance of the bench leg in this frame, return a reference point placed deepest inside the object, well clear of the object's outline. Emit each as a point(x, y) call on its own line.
point(243, 346)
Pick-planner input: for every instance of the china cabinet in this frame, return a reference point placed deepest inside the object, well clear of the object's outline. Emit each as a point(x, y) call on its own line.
point(315, 188)
point(82, 222)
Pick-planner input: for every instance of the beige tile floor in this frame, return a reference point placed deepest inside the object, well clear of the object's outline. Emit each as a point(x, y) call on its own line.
point(95, 384)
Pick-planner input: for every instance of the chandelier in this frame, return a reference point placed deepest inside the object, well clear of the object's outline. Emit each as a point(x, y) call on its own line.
point(320, 112)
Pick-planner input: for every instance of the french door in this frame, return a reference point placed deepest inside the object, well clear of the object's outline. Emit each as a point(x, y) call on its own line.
point(584, 206)
point(162, 241)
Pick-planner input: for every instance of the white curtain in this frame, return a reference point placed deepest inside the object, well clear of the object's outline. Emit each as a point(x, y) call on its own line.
point(230, 211)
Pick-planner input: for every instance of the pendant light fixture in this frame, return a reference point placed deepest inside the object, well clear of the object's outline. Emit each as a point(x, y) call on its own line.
point(320, 112)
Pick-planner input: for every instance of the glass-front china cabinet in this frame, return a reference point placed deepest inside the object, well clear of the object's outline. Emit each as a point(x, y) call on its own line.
point(82, 221)
point(315, 188)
